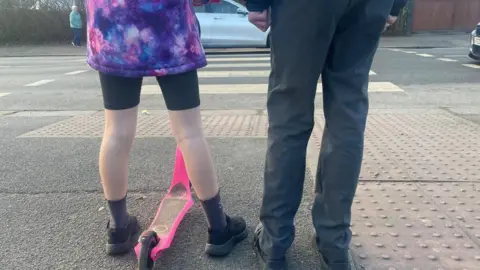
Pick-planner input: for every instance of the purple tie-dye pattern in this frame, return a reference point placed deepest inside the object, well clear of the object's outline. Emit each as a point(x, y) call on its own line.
point(137, 38)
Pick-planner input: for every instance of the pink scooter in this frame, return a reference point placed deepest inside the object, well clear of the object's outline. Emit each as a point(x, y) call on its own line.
point(170, 213)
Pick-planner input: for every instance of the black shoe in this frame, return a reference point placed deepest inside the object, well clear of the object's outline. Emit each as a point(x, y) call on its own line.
point(122, 240)
point(343, 264)
point(222, 243)
point(263, 260)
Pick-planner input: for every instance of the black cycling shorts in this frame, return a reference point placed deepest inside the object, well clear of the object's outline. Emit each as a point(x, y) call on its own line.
point(180, 91)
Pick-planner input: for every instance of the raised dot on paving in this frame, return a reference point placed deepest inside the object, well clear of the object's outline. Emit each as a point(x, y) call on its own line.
point(408, 257)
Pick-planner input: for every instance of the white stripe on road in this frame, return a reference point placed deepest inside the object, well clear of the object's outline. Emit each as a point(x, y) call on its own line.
point(41, 82)
point(5, 66)
point(385, 87)
point(409, 52)
point(472, 66)
point(238, 59)
point(75, 72)
point(395, 50)
point(4, 94)
point(235, 65)
point(424, 55)
point(457, 56)
point(447, 60)
point(240, 73)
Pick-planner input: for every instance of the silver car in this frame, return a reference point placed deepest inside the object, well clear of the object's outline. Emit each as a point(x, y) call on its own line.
point(226, 25)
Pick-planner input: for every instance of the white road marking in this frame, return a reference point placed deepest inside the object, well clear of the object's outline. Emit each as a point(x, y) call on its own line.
point(5, 66)
point(374, 87)
point(409, 52)
point(4, 94)
point(457, 56)
point(76, 72)
point(447, 59)
point(39, 82)
point(237, 73)
point(395, 50)
point(251, 64)
point(80, 60)
point(238, 59)
point(424, 55)
point(240, 73)
point(472, 66)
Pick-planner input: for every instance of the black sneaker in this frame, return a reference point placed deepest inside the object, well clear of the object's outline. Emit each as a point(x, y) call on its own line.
point(263, 260)
point(222, 243)
point(122, 240)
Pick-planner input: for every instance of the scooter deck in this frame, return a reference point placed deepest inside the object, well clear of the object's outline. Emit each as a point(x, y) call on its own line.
point(172, 209)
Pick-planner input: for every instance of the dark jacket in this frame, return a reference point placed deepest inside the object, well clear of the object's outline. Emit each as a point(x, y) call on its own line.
point(261, 5)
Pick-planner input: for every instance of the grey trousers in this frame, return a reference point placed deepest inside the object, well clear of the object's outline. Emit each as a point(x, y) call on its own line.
point(337, 40)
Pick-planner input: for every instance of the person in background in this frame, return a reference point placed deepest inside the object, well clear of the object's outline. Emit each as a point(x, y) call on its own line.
point(76, 25)
point(337, 40)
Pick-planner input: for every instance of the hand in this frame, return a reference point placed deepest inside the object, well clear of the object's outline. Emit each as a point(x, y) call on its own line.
point(391, 20)
point(259, 19)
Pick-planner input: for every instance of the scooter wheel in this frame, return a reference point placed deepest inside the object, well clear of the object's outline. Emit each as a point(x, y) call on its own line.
point(148, 240)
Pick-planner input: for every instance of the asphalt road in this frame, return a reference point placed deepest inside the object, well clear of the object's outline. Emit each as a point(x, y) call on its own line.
point(51, 206)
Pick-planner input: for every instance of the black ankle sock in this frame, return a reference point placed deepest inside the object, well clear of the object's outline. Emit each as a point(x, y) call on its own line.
point(119, 217)
point(217, 221)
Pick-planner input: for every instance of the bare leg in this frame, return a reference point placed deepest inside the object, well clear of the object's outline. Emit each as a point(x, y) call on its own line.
point(188, 131)
point(182, 97)
point(120, 128)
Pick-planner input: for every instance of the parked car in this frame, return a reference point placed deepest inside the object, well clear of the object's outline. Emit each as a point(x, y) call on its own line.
point(226, 25)
point(475, 44)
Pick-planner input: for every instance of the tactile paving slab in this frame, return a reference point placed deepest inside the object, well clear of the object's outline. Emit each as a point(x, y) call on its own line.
point(400, 145)
point(156, 124)
point(412, 226)
point(417, 145)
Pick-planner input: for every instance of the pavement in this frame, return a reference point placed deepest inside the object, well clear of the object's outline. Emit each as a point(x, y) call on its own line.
point(417, 205)
point(424, 40)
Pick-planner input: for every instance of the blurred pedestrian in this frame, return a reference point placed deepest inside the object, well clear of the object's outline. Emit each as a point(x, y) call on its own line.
point(76, 25)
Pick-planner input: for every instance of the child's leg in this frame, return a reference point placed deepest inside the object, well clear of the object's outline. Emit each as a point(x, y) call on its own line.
point(121, 98)
point(181, 94)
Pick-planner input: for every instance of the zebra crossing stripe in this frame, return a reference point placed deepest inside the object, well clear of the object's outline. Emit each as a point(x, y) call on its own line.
point(240, 73)
point(374, 87)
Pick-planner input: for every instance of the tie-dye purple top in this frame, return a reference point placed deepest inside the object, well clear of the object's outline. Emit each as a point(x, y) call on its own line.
point(137, 38)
